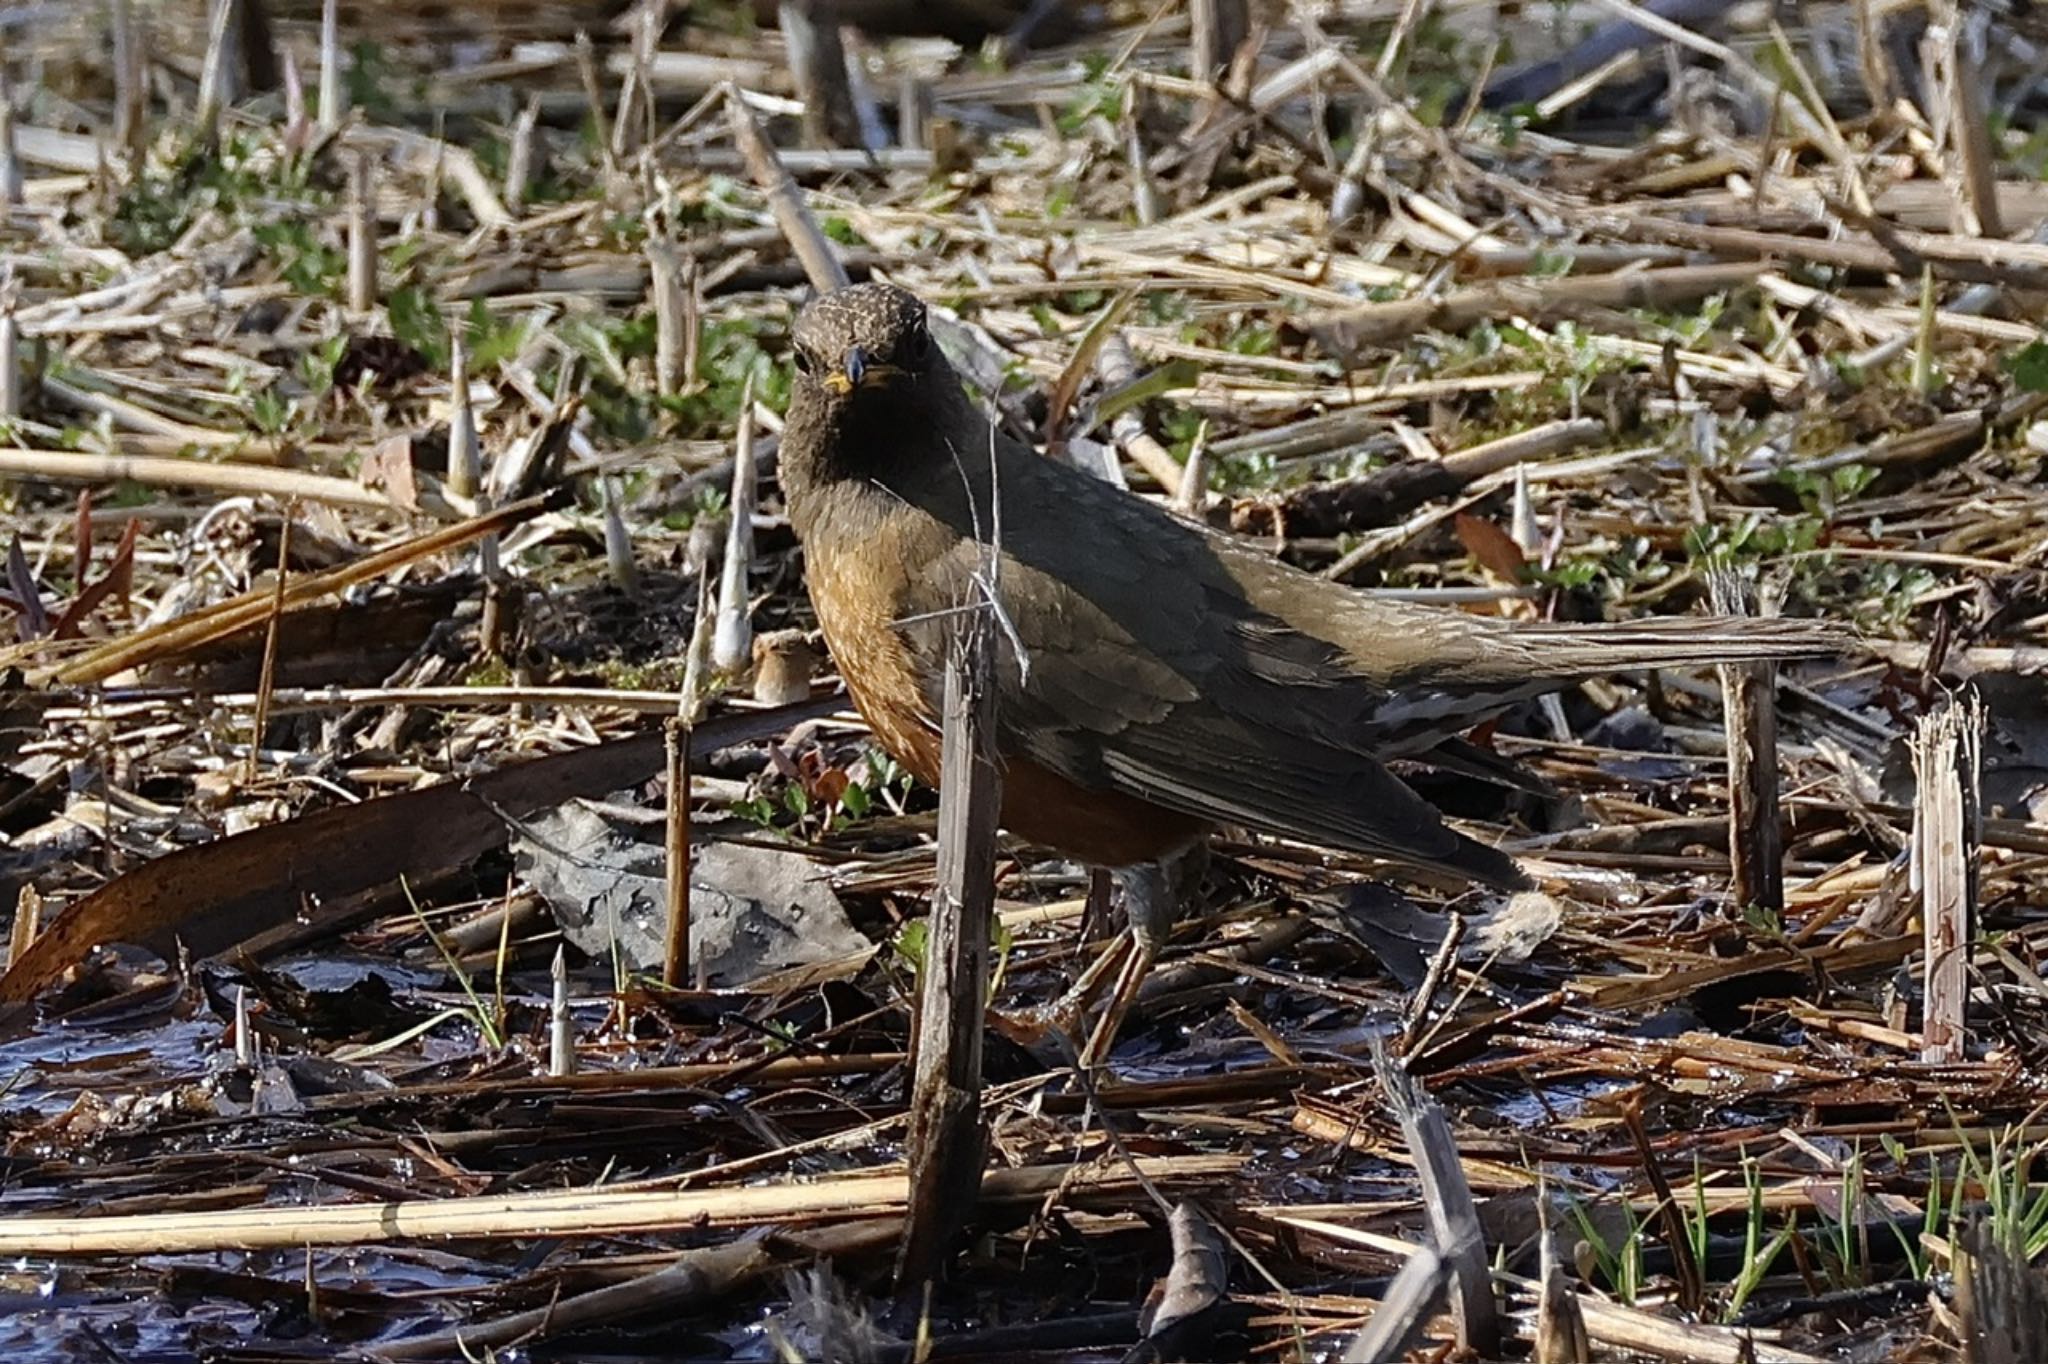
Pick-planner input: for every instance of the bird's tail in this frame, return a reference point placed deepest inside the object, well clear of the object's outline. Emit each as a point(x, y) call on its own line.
point(1564, 652)
point(1475, 668)
point(1479, 667)
point(1480, 655)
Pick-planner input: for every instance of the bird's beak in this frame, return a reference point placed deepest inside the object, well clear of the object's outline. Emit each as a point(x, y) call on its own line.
point(855, 370)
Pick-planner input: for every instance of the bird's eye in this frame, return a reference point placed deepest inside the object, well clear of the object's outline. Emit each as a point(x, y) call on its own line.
point(803, 361)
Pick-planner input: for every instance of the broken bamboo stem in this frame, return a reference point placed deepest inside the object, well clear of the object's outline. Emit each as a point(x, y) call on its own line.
point(1945, 838)
point(675, 961)
point(1447, 1198)
point(1756, 844)
point(945, 1134)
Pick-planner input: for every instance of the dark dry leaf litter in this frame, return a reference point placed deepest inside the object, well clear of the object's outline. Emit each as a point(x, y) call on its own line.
point(1755, 291)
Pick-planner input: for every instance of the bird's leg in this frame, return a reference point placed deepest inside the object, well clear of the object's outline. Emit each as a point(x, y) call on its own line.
point(1152, 892)
point(1150, 906)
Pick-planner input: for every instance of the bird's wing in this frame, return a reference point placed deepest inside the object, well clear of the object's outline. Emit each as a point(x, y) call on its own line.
point(1146, 655)
point(1132, 660)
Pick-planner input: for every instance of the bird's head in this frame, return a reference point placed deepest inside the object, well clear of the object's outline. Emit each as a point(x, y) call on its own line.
point(863, 339)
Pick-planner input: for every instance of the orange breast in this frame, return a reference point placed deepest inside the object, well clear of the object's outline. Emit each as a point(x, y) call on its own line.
point(858, 601)
point(1101, 828)
point(859, 598)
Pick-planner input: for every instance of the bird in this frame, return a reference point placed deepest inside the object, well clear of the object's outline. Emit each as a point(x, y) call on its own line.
point(1155, 678)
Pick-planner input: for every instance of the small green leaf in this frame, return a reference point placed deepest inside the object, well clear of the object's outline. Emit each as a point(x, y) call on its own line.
point(417, 322)
point(1172, 375)
point(910, 943)
point(2029, 366)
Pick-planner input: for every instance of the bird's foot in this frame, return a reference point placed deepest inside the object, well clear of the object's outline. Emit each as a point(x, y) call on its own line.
point(1151, 903)
point(1137, 952)
point(1067, 1016)
point(1150, 899)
